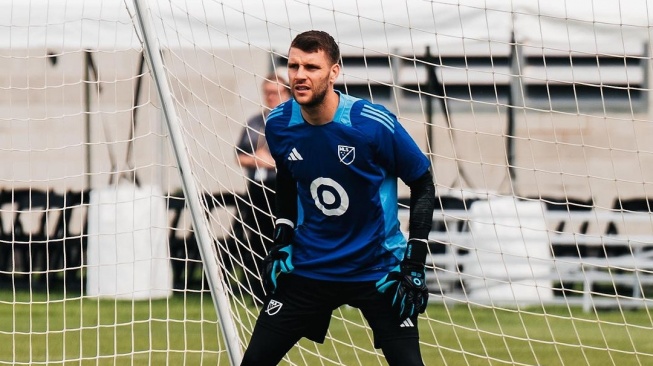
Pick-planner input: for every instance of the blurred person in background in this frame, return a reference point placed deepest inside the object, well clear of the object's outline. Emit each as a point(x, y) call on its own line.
point(254, 156)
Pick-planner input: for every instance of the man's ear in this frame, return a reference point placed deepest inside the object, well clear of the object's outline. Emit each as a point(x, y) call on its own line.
point(335, 72)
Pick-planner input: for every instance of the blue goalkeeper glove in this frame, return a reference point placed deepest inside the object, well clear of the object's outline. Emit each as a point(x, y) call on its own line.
point(279, 259)
point(407, 282)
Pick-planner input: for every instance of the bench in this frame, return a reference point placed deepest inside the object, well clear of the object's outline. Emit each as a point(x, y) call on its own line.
point(589, 268)
point(39, 244)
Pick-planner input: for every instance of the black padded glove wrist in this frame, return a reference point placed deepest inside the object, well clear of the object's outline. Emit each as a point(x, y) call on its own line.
point(279, 258)
point(416, 251)
point(283, 232)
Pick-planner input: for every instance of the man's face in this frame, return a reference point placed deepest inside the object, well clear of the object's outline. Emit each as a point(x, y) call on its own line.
point(311, 76)
point(274, 94)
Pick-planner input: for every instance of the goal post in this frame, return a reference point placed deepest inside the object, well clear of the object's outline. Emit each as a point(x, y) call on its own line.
point(200, 225)
point(128, 227)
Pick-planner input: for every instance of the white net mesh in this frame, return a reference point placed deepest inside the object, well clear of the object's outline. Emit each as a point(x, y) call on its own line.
point(535, 117)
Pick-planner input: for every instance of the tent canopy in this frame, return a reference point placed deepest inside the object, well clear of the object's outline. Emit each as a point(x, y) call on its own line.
point(383, 26)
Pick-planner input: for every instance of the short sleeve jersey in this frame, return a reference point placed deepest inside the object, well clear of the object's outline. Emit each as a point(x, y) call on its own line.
point(346, 174)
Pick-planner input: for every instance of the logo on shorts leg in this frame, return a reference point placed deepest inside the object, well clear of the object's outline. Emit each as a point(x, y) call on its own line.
point(407, 323)
point(273, 307)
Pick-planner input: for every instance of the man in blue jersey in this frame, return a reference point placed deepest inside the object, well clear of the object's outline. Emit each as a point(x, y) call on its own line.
point(337, 239)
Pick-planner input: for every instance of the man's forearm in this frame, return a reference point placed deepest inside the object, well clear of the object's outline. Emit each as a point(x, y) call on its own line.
point(422, 203)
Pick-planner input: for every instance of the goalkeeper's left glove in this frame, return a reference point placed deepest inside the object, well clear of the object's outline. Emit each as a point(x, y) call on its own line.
point(406, 282)
point(279, 259)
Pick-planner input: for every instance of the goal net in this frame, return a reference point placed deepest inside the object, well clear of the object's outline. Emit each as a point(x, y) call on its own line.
point(129, 228)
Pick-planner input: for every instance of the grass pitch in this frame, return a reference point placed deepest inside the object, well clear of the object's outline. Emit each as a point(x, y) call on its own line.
point(64, 329)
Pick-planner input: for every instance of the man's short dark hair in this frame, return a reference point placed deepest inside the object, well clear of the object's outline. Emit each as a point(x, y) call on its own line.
point(314, 41)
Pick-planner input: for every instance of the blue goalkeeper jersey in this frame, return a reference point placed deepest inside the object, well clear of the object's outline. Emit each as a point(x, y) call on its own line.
point(346, 174)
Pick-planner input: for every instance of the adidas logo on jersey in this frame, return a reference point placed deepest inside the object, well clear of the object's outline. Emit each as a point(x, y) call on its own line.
point(295, 155)
point(407, 323)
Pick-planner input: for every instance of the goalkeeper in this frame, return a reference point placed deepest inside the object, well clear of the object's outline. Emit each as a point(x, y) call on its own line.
point(337, 239)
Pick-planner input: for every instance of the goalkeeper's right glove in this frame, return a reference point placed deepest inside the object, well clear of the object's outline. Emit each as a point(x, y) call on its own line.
point(279, 259)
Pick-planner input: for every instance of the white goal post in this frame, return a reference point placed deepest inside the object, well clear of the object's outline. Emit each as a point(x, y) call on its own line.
point(124, 235)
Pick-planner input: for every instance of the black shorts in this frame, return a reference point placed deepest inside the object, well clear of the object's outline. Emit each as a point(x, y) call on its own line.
point(302, 307)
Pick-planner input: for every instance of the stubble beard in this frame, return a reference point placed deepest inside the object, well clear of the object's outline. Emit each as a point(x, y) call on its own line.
point(318, 97)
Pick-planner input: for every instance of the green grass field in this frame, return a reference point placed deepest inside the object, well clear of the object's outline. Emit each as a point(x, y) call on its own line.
point(36, 330)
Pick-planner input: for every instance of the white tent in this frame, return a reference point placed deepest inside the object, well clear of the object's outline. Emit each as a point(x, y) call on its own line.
point(448, 26)
point(232, 38)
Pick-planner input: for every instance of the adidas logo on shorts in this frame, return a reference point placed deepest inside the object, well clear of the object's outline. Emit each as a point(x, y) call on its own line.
point(407, 323)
